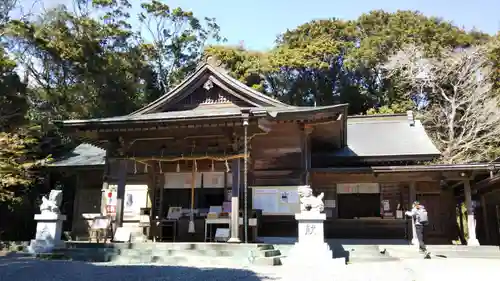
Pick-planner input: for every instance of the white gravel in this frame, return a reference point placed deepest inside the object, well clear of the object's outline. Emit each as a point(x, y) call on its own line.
point(27, 269)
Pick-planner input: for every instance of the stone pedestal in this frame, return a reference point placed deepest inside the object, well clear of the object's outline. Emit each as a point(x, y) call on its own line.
point(48, 233)
point(311, 249)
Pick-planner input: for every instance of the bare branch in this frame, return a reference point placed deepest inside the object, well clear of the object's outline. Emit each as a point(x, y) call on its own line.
point(463, 114)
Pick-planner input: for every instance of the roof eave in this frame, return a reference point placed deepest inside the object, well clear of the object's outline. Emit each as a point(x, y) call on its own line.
point(414, 168)
point(305, 113)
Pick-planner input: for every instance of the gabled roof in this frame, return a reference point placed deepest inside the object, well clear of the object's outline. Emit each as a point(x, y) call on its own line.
point(382, 138)
point(389, 136)
point(220, 78)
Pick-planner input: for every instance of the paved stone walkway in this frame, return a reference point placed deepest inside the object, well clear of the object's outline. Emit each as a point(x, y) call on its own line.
point(28, 269)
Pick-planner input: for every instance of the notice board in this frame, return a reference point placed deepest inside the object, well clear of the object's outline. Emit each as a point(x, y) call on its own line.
point(276, 200)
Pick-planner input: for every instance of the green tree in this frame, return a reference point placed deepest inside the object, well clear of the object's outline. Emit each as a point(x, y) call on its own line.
point(17, 142)
point(178, 40)
point(332, 61)
point(247, 66)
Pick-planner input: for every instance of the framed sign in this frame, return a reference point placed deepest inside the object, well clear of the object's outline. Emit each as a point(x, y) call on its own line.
point(350, 188)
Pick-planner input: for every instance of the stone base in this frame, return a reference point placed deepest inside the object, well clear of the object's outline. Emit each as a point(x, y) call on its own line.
point(311, 249)
point(44, 246)
point(48, 233)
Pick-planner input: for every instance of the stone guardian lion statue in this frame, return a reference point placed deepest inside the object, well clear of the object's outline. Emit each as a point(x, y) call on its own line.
point(51, 205)
point(309, 202)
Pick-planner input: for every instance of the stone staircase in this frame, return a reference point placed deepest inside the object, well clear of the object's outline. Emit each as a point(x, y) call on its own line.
point(443, 251)
point(362, 253)
point(175, 253)
point(351, 253)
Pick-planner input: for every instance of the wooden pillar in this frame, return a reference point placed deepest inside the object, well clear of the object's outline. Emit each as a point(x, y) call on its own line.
point(235, 204)
point(485, 219)
point(120, 192)
point(152, 198)
point(306, 154)
point(105, 184)
point(471, 222)
point(76, 207)
point(413, 198)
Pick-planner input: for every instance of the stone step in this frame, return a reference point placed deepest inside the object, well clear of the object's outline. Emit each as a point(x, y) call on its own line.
point(265, 247)
point(267, 261)
point(207, 253)
point(175, 260)
point(268, 253)
point(171, 246)
point(368, 259)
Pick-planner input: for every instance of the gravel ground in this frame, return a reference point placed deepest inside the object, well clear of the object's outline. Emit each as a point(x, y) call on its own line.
point(28, 269)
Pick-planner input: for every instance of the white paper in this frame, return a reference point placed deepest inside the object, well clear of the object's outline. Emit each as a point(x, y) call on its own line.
point(215, 209)
point(284, 209)
point(399, 214)
point(174, 213)
point(293, 197)
point(284, 197)
point(122, 235)
point(222, 234)
point(386, 205)
point(265, 200)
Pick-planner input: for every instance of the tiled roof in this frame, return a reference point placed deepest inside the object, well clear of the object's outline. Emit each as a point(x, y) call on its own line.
point(83, 155)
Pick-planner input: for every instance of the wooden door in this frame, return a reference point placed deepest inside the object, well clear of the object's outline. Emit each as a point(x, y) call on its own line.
point(436, 227)
point(497, 225)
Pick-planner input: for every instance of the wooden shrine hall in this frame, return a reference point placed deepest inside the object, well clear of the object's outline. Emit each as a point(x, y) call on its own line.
point(215, 159)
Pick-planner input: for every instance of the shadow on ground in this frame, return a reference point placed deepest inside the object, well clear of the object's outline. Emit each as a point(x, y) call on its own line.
point(30, 269)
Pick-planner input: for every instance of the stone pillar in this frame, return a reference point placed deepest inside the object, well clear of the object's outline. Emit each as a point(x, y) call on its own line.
point(120, 191)
point(471, 222)
point(413, 198)
point(235, 204)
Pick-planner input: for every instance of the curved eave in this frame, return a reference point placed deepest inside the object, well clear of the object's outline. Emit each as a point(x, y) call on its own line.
point(307, 113)
point(194, 79)
point(98, 124)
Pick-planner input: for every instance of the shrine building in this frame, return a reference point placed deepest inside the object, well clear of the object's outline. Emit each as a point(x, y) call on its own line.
point(176, 169)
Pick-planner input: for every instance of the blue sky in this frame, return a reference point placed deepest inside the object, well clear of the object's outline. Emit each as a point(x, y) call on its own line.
point(258, 22)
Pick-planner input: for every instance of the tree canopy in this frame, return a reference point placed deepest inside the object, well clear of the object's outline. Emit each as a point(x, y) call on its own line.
point(93, 59)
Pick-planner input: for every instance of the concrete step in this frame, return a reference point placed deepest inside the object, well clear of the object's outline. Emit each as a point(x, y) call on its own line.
point(446, 251)
point(169, 246)
point(178, 260)
point(208, 253)
point(165, 253)
point(265, 247)
point(267, 261)
point(268, 253)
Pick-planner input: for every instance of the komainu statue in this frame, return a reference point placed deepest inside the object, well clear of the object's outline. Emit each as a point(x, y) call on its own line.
point(309, 202)
point(51, 205)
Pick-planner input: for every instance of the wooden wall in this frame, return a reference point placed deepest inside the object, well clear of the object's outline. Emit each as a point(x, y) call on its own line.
point(88, 197)
point(395, 188)
point(276, 157)
point(491, 225)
